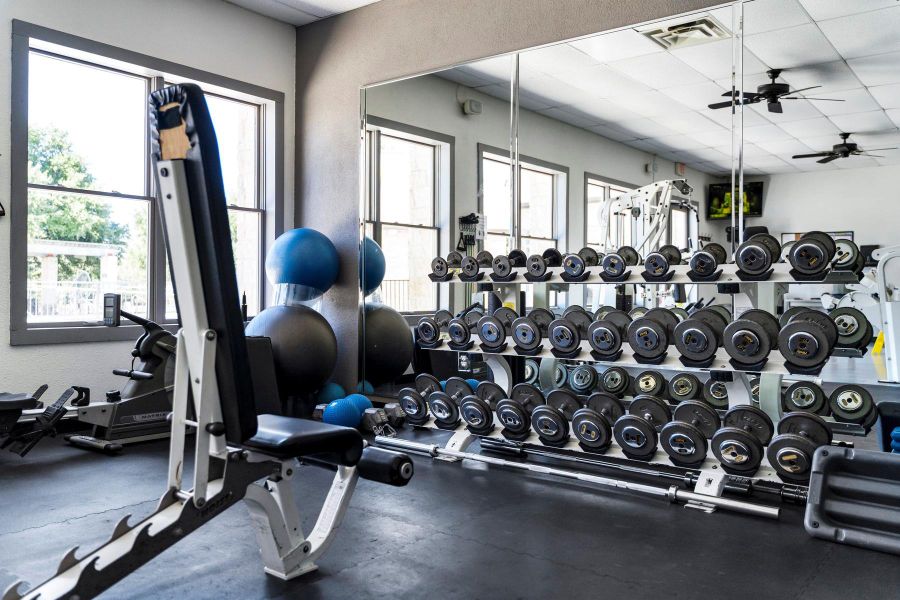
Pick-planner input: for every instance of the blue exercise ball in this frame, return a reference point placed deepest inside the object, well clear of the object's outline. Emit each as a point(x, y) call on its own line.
point(361, 402)
point(473, 383)
point(371, 266)
point(342, 412)
point(364, 387)
point(388, 343)
point(329, 392)
point(306, 258)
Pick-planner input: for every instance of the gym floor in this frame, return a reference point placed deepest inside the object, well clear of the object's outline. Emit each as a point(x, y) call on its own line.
point(457, 531)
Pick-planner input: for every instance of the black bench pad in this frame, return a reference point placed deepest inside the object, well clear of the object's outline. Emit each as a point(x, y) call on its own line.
point(17, 401)
point(289, 437)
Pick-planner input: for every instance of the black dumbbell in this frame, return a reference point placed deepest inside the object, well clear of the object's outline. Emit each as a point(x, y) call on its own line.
point(847, 257)
point(460, 328)
point(808, 339)
point(574, 265)
point(551, 420)
point(537, 264)
point(697, 339)
point(637, 432)
point(854, 329)
point(660, 261)
point(613, 265)
point(503, 265)
point(514, 413)
point(590, 256)
point(494, 329)
point(771, 243)
point(471, 265)
point(754, 257)
point(579, 317)
point(653, 409)
point(715, 393)
point(739, 443)
point(564, 336)
point(605, 334)
point(683, 387)
point(583, 379)
point(428, 329)
point(413, 400)
point(791, 451)
point(477, 409)
point(649, 383)
point(684, 439)
point(853, 404)
point(812, 253)
point(592, 425)
point(444, 404)
point(440, 266)
point(650, 335)
point(804, 396)
point(615, 381)
point(629, 255)
point(749, 339)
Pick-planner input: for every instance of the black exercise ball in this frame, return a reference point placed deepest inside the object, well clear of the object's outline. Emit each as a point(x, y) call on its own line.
point(303, 343)
point(388, 343)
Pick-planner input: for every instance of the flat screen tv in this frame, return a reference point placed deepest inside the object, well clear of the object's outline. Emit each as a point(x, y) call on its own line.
point(718, 200)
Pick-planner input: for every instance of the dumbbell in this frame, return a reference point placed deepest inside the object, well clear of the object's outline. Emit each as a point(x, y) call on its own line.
point(583, 379)
point(705, 262)
point(440, 266)
point(660, 261)
point(471, 265)
point(739, 443)
point(637, 311)
point(749, 339)
point(650, 335)
point(684, 387)
point(616, 263)
point(590, 256)
point(680, 313)
point(606, 332)
point(503, 265)
point(494, 329)
point(564, 336)
point(532, 371)
point(791, 451)
point(444, 404)
point(551, 420)
point(854, 329)
point(414, 402)
point(649, 383)
point(615, 381)
point(804, 396)
point(560, 375)
point(847, 257)
point(574, 265)
point(684, 439)
point(428, 329)
point(477, 410)
point(459, 329)
point(528, 332)
point(812, 253)
point(638, 431)
point(756, 255)
point(579, 317)
point(753, 384)
point(537, 264)
point(514, 413)
point(808, 339)
point(699, 336)
point(715, 393)
point(853, 404)
point(592, 425)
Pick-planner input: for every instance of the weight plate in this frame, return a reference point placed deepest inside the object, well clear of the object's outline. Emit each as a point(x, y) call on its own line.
point(454, 259)
point(664, 317)
point(637, 438)
point(716, 394)
point(580, 320)
point(564, 401)
point(803, 396)
point(476, 413)
point(517, 258)
point(501, 266)
point(563, 335)
point(649, 382)
point(536, 266)
point(550, 425)
point(746, 341)
point(491, 332)
point(846, 254)
point(752, 420)
point(574, 308)
point(637, 311)
point(791, 456)
point(573, 265)
point(753, 257)
point(808, 256)
point(444, 409)
point(471, 317)
point(656, 264)
point(696, 340)
point(613, 265)
point(672, 254)
point(553, 257)
point(526, 334)
point(803, 344)
point(428, 330)
point(714, 319)
point(583, 379)
point(427, 383)
point(808, 425)
point(542, 317)
point(590, 256)
point(607, 405)
point(789, 314)
point(514, 418)
point(442, 317)
point(723, 311)
point(753, 383)
point(821, 319)
point(592, 430)
point(851, 404)
point(439, 267)
point(771, 243)
point(469, 266)
point(527, 396)
point(560, 375)
point(685, 444)
point(647, 338)
point(769, 323)
point(629, 255)
point(506, 316)
point(604, 337)
point(684, 386)
point(532, 370)
point(718, 252)
point(703, 263)
point(414, 405)
point(484, 258)
point(739, 452)
point(679, 313)
point(652, 409)
point(826, 240)
point(852, 327)
point(619, 317)
point(786, 250)
point(490, 392)
point(457, 388)
point(601, 312)
point(700, 415)
point(615, 380)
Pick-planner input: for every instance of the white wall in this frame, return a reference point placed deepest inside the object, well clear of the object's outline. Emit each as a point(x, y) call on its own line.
point(205, 34)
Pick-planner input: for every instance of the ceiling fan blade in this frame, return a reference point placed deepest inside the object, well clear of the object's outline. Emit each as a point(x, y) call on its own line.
point(828, 159)
point(877, 149)
point(870, 155)
point(812, 87)
point(720, 105)
point(746, 94)
point(813, 155)
point(775, 107)
point(818, 99)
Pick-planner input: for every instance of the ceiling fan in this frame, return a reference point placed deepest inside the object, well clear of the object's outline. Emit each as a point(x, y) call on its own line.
point(773, 93)
point(843, 150)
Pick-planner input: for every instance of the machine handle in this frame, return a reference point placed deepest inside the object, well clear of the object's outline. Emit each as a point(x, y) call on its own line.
point(133, 374)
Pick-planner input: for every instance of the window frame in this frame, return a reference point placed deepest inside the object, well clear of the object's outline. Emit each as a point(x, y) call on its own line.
point(607, 184)
point(27, 37)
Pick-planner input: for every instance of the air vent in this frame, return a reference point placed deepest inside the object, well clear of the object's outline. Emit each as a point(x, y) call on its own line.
point(690, 33)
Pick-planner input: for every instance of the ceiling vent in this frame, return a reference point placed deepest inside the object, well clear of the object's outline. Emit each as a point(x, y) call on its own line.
point(690, 33)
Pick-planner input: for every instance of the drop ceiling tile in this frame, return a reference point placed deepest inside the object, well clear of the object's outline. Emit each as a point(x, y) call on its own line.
point(608, 47)
point(765, 133)
point(659, 71)
point(647, 146)
point(722, 116)
point(688, 122)
point(645, 128)
point(877, 70)
point(533, 101)
point(570, 115)
point(495, 70)
point(710, 154)
point(605, 111)
point(550, 90)
point(810, 128)
point(792, 110)
point(819, 143)
point(718, 138)
point(854, 101)
point(678, 143)
point(496, 90)
point(555, 59)
point(697, 96)
point(831, 9)
point(785, 148)
point(865, 34)
point(855, 162)
point(464, 77)
point(888, 157)
point(831, 77)
point(765, 15)
point(888, 96)
point(612, 132)
point(601, 81)
point(894, 115)
point(792, 47)
point(770, 164)
point(713, 59)
point(750, 151)
point(878, 140)
point(864, 122)
point(650, 104)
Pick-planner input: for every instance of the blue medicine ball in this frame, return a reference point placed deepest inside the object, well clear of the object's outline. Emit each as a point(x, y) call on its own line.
point(371, 266)
point(365, 387)
point(361, 402)
point(303, 257)
point(342, 412)
point(330, 391)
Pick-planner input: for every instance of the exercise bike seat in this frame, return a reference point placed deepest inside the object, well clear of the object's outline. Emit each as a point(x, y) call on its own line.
point(17, 401)
point(289, 437)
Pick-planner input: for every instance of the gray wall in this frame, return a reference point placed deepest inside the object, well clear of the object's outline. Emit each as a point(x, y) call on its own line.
point(398, 38)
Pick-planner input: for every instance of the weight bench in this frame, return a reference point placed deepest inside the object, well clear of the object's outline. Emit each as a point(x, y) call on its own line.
point(240, 455)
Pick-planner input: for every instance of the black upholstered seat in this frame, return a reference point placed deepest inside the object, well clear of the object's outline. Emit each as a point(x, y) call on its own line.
point(17, 401)
point(289, 437)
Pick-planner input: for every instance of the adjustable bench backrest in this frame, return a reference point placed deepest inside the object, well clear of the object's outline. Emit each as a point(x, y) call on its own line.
point(181, 129)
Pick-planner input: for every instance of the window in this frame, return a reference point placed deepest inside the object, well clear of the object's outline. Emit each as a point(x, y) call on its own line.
point(91, 226)
point(596, 193)
point(679, 227)
point(405, 185)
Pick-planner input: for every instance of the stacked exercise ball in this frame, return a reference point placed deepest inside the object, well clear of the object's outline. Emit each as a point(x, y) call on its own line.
point(304, 258)
point(371, 266)
point(347, 412)
point(387, 343)
point(330, 391)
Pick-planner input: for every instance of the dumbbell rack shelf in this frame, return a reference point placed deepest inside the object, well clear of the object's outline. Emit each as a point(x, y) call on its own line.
point(781, 273)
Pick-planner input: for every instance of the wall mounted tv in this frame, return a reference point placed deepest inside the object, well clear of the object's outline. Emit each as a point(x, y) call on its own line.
point(718, 200)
